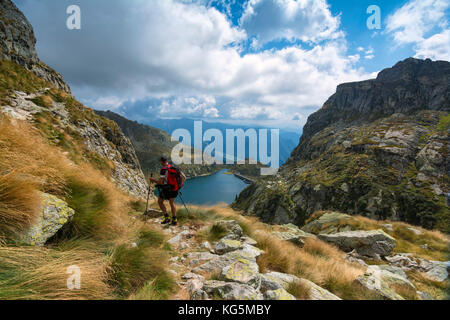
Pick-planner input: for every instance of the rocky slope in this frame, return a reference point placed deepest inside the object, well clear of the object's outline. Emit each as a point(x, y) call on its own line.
point(377, 148)
point(231, 266)
point(17, 44)
point(31, 91)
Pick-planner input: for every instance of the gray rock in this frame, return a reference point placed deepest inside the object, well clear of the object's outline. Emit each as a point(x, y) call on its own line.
point(325, 223)
point(179, 238)
point(434, 270)
point(293, 234)
point(249, 241)
point(366, 243)
point(200, 257)
point(227, 245)
point(231, 291)
point(195, 289)
point(219, 262)
point(242, 271)
point(279, 294)
point(381, 279)
point(276, 280)
point(231, 226)
point(438, 271)
point(55, 214)
point(205, 245)
point(424, 296)
point(191, 276)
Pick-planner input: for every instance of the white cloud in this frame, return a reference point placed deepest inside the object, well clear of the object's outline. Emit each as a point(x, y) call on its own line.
point(185, 59)
point(307, 20)
point(423, 23)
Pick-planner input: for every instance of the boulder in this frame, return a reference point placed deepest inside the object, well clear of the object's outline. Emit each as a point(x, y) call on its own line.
point(249, 241)
point(434, 270)
point(326, 223)
point(55, 214)
point(242, 271)
point(382, 279)
point(438, 271)
point(219, 262)
point(231, 226)
point(293, 234)
point(195, 289)
point(227, 245)
point(231, 291)
point(279, 294)
point(275, 280)
point(177, 240)
point(366, 243)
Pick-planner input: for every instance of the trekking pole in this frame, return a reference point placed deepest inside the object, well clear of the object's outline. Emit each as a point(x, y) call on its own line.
point(148, 197)
point(181, 197)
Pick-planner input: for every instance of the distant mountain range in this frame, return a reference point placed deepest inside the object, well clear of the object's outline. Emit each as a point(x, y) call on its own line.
point(288, 139)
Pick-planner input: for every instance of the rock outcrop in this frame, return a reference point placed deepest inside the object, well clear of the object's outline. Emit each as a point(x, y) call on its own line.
point(377, 148)
point(374, 243)
point(55, 214)
point(101, 137)
point(382, 280)
point(17, 44)
point(50, 101)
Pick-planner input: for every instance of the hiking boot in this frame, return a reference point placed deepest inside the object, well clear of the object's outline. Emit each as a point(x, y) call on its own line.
point(166, 220)
point(174, 221)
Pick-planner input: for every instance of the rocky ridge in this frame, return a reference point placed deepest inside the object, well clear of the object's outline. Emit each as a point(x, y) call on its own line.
point(377, 148)
point(17, 44)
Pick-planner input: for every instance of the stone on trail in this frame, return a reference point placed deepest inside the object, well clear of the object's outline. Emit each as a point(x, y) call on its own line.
point(249, 241)
point(219, 262)
point(226, 245)
point(179, 238)
point(55, 214)
point(231, 291)
point(279, 294)
point(366, 243)
point(242, 271)
point(190, 276)
point(276, 280)
point(195, 289)
point(230, 226)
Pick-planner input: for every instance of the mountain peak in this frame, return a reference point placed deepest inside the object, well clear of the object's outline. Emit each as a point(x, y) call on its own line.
point(17, 44)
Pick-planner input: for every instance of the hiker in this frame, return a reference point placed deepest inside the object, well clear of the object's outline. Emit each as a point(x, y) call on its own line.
point(168, 186)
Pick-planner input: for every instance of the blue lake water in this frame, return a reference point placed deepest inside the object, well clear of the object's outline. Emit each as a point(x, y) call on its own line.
point(213, 189)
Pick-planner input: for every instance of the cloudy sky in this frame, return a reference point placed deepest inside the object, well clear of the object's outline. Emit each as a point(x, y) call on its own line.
point(270, 62)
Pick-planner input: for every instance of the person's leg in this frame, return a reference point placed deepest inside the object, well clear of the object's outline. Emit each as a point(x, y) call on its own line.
point(162, 206)
point(173, 208)
point(164, 210)
point(174, 220)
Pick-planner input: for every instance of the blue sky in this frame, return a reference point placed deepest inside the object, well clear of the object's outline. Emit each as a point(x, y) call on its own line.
point(264, 62)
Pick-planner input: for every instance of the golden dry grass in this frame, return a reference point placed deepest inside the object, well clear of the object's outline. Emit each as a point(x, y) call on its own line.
point(19, 203)
point(97, 239)
point(317, 261)
point(39, 273)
